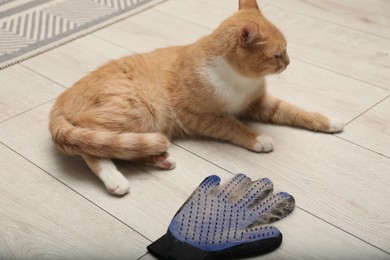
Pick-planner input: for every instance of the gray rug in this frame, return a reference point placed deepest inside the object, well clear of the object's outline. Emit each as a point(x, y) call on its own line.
point(30, 27)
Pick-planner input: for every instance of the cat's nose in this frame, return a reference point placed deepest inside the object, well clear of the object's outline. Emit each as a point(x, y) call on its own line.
point(287, 61)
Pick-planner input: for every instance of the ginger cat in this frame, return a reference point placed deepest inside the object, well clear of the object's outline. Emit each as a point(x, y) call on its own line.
point(129, 108)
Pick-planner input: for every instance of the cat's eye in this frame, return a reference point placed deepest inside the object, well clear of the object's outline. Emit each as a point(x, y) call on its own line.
point(277, 56)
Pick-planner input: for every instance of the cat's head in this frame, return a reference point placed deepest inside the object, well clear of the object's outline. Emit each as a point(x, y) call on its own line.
point(253, 45)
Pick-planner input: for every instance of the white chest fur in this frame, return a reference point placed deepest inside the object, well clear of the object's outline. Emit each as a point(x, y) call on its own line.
point(231, 88)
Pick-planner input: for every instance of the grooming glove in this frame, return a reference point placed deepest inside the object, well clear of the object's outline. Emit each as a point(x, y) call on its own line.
point(225, 222)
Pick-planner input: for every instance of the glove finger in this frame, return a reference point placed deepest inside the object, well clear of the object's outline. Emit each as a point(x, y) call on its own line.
point(234, 188)
point(205, 188)
point(200, 194)
point(272, 209)
point(208, 184)
point(256, 192)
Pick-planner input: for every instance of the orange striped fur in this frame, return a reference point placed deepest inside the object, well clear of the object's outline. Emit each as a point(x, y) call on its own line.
point(130, 108)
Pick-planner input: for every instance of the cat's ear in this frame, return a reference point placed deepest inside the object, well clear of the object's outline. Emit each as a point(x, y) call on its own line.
point(249, 34)
point(247, 4)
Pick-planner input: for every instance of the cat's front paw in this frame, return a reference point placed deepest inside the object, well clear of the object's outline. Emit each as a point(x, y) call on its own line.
point(117, 186)
point(264, 143)
point(335, 125)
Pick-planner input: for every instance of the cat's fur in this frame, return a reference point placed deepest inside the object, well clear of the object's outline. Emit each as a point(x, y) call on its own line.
point(130, 108)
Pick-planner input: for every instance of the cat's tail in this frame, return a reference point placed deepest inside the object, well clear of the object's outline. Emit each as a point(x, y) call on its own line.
point(74, 140)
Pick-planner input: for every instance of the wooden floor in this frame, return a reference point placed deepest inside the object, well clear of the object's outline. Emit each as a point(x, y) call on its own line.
point(52, 206)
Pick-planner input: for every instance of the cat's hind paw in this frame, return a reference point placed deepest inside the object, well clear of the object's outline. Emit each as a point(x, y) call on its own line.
point(162, 161)
point(264, 143)
point(335, 125)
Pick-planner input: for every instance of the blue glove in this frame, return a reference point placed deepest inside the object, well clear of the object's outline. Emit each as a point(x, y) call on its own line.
point(225, 222)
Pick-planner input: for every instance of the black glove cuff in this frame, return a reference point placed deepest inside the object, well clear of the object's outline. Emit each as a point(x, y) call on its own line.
point(169, 248)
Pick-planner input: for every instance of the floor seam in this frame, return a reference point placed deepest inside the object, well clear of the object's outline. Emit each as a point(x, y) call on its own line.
point(75, 191)
point(139, 258)
point(357, 117)
point(343, 230)
point(26, 111)
point(327, 21)
point(40, 74)
point(114, 43)
point(361, 146)
point(157, 10)
point(338, 73)
point(365, 111)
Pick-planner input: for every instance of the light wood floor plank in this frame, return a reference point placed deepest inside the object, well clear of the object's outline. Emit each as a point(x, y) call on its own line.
point(150, 30)
point(371, 16)
point(231, 5)
point(345, 51)
point(22, 89)
point(372, 129)
point(68, 63)
point(40, 218)
point(199, 12)
point(322, 91)
point(156, 195)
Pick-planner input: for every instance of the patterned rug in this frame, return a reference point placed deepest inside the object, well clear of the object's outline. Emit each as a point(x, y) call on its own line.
point(30, 27)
